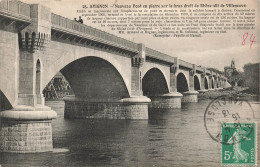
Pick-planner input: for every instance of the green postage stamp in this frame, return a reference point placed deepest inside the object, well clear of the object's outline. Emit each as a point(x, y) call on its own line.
point(239, 145)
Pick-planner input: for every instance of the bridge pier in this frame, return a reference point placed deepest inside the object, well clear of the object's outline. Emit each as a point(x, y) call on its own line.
point(127, 108)
point(26, 129)
point(169, 100)
point(190, 96)
point(203, 90)
point(211, 84)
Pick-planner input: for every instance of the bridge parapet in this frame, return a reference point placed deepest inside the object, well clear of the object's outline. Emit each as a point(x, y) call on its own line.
point(185, 64)
point(14, 15)
point(159, 55)
point(15, 8)
point(66, 25)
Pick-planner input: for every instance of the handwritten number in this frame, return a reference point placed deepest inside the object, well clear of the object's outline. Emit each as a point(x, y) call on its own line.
point(244, 37)
point(252, 39)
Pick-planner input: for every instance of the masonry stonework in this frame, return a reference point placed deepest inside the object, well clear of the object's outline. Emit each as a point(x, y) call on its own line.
point(190, 97)
point(171, 100)
point(9, 56)
point(79, 108)
point(25, 136)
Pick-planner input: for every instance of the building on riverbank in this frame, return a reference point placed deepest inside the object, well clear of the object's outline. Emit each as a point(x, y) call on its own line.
point(229, 70)
point(251, 73)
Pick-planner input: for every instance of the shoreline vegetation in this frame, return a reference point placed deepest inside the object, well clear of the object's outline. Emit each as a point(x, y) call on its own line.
point(242, 93)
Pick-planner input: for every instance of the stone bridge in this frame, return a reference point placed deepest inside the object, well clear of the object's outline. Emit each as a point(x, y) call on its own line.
point(110, 76)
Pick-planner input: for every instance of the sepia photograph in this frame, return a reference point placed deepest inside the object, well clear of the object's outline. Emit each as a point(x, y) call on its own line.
point(147, 83)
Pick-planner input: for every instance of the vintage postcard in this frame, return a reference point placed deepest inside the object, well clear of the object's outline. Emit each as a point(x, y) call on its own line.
point(144, 83)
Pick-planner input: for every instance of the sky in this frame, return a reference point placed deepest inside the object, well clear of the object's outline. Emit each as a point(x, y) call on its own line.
point(214, 50)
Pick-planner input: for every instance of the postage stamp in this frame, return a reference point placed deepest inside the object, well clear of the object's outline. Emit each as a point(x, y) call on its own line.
point(231, 122)
point(226, 109)
point(239, 144)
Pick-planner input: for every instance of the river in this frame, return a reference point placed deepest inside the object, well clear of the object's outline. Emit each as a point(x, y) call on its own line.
point(169, 138)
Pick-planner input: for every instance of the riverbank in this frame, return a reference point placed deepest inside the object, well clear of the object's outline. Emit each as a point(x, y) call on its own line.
point(239, 92)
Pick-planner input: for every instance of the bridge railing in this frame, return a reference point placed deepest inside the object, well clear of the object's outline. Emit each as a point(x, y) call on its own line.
point(159, 55)
point(185, 64)
point(15, 7)
point(66, 23)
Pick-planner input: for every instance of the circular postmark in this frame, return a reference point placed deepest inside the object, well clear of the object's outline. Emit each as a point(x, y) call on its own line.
point(228, 113)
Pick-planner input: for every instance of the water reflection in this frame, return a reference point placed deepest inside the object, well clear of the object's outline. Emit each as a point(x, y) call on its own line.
point(169, 138)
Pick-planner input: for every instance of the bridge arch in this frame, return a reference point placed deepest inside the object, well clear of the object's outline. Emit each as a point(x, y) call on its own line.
point(60, 55)
point(212, 83)
point(164, 69)
point(182, 83)
point(206, 83)
point(154, 83)
point(196, 82)
point(95, 79)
